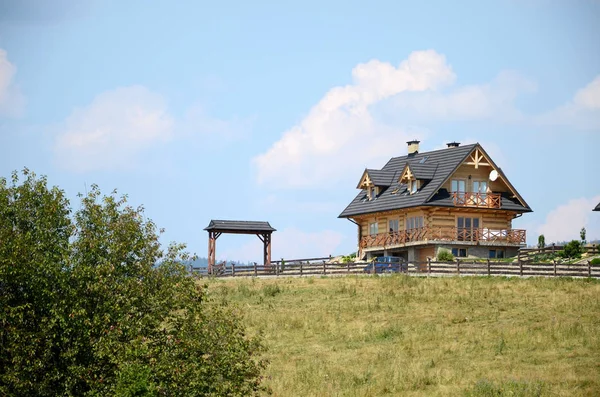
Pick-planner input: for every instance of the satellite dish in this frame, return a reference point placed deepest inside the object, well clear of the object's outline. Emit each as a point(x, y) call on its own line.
point(493, 175)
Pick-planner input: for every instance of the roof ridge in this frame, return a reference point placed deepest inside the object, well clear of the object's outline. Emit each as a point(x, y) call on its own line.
point(433, 151)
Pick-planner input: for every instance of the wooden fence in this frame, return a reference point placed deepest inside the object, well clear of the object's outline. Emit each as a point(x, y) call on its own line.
point(527, 253)
point(429, 268)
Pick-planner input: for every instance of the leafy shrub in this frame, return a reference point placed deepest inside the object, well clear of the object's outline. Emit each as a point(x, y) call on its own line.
point(445, 256)
point(573, 249)
point(596, 261)
point(349, 258)
point(90, 304)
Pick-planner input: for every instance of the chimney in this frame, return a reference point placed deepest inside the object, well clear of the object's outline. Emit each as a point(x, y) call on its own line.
point(453, 144)
point(413, 147)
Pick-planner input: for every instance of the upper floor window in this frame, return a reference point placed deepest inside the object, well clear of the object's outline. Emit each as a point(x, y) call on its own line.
point(413, 186)
point(394, 225)
point(373, 228)
point(414, 222)
point(458, 185)
point(372, 192)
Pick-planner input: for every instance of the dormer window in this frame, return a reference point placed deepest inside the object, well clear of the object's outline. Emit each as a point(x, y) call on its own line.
point(413, 186)
point(372, 192)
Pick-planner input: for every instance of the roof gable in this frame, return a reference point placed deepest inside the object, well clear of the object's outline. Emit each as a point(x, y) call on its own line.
point(479, 157)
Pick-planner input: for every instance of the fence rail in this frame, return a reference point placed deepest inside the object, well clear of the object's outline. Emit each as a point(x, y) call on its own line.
point(429, 268)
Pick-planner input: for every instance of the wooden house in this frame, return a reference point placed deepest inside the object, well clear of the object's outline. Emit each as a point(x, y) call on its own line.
point(456, 198)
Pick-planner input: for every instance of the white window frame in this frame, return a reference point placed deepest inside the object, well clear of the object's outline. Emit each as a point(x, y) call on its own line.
point(373, 228)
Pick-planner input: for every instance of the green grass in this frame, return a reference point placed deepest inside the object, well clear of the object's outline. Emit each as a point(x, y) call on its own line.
point(413, 336)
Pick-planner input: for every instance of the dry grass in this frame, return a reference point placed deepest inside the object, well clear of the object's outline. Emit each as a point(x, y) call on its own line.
point(402, 335)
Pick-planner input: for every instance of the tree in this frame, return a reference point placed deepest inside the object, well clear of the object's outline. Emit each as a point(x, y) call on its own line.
point(541, 241)
point(90, 304)
point(582, 235)
point(572, 249)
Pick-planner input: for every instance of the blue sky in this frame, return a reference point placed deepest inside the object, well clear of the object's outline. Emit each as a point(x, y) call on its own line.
point(270, 111)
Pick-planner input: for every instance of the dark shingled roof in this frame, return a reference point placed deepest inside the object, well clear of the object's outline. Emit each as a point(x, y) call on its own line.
point(381, 178)
point(239, 226)
point(439, 165)
point(597, 207)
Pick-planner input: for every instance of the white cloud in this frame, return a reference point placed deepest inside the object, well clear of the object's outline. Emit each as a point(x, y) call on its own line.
point(329, 140)
point(564, 222)
point(582, 112)
point(113, 130)
point(290, 243)
point(11, 100)
point(494, 100)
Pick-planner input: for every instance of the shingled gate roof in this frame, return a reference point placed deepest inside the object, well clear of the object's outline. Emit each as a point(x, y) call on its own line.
point(434, 169)
point(239, 226)
point(597, 207)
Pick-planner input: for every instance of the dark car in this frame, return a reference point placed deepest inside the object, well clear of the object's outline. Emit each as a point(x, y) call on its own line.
point(387, 264)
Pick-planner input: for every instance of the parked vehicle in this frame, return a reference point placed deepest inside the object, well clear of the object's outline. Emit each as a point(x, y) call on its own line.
point(387, 264)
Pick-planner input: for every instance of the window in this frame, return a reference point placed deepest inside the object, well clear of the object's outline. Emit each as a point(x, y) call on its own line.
point(458, 185)
point(467, 228)
point(496, 254)
point(459, 252)
point(394, 225)
point(413, 186)
point(372, 193)
point(373, 229)
point(414, 222)
point(481, 188)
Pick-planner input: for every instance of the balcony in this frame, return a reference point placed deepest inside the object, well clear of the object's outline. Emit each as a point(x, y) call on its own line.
point(477, 200)
point(441, 233)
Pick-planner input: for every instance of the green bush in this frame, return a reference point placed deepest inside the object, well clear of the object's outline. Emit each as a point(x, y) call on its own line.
point(91, 305)
point(573, 249)
point(445, 256)
point(596, 261)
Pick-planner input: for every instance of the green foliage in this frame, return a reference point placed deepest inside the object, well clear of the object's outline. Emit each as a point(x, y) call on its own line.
point(445, 256)
point(582, 234)
point(541, 241)
point(595, 261)
point(90, 305)
point(572, 249)
point(349, 258)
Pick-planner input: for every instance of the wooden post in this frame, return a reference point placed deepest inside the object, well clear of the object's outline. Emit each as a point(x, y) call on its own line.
point(232, 269)
point(324, 269)
point(488, 267)
point(553, 246)
point(429, 266)
point(458, 266)
point(589, 268)
point(554, 261)
point(255, 270)
point(300, 268)
point(520, 268)
point(348, 265)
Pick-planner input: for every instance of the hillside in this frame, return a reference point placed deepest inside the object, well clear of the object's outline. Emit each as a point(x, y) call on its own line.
point(399, 335)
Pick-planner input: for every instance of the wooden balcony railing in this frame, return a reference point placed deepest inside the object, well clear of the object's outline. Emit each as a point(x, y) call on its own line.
point(509, 236)
point(479, 200)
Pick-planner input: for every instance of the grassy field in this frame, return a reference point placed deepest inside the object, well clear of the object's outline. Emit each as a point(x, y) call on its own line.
point(412, 336)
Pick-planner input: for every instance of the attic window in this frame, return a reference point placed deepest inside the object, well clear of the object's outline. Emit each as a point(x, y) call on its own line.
point(413, 186)
point(372, 192)
point(423, 160)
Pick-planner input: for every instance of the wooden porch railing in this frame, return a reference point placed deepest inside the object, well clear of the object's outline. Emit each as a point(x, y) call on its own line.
point(510, 236)
point(479, 200)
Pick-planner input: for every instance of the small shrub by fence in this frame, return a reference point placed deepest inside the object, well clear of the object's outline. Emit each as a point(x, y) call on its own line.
point(321, 266)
